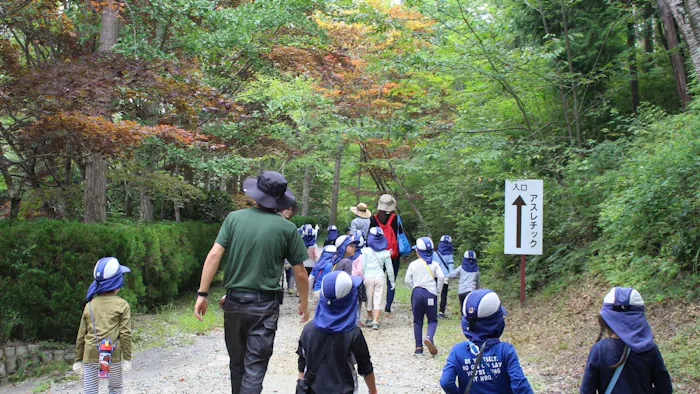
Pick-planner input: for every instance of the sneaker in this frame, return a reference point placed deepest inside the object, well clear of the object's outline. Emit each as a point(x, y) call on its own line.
point(419, 351)
point(290, 291)
point(431, 346)
point(375, 326)
point(442, 316)
point(387, 310)
point(368, 322)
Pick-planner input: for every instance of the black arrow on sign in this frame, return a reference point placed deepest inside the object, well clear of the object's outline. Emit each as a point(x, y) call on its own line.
point(519, 202)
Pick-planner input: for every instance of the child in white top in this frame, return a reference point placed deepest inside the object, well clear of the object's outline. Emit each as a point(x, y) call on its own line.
point(421, 276)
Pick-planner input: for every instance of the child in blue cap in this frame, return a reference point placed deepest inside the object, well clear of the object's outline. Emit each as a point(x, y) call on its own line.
point(443, 256)
point(103, 346)
point(331, 344)
point(483, 364)
point(628, 361)
point(468, 274)
point(425, 278)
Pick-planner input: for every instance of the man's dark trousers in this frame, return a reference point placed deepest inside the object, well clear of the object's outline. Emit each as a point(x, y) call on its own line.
point(250, 324)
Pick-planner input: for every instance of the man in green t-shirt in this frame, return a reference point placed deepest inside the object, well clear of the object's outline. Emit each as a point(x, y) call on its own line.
point(258, 241)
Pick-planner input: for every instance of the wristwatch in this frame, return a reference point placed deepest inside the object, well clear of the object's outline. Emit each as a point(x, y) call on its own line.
point(202, 293)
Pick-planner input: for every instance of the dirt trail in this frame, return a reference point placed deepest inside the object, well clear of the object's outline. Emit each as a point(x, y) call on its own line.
point(552, 338)
point(203, 366)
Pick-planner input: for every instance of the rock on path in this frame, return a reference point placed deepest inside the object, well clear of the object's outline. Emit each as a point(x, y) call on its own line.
point(203, 366)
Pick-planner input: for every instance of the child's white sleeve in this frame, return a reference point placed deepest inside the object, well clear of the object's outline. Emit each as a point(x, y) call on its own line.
point(409, 276)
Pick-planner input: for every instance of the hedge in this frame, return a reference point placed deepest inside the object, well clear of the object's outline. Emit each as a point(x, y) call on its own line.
point(46, 267)
point(299, 220)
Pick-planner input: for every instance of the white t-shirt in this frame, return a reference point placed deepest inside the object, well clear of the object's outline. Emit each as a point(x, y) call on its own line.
point(419, 272)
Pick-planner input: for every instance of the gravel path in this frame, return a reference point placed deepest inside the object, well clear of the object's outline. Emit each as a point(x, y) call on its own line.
point(203, 366)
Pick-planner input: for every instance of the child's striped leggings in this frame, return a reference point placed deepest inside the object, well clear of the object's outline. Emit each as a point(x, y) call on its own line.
point(91, 383)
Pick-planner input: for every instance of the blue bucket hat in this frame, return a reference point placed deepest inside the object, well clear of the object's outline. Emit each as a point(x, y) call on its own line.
point(483, 316)
point(623, 311)
point(336, 312)
point(469, 263)
point(424, 247)
point(332, 233)
point(341, 245)
point(376, 239)
point(359, 240)
point(108, 275)
point(445, 246)
point(308, 233)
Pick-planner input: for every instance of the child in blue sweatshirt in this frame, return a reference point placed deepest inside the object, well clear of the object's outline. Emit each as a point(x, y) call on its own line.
point(483, 364)
point(628, 361)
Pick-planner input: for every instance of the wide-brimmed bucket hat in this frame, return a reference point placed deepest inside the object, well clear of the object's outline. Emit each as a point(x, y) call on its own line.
point(387, 203)
point(361, 211)
point(269, 189)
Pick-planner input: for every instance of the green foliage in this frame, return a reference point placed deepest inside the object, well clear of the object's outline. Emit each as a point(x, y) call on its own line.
point(213, 208)
point(46, 267)
point(302, 220)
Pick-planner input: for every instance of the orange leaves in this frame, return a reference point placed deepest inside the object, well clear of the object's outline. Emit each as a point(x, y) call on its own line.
point(71, 131)
point(99, 6)
point(65, 132)
point(175, 135)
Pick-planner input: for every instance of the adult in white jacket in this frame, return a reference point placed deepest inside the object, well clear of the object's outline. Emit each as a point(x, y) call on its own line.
point(425, 278)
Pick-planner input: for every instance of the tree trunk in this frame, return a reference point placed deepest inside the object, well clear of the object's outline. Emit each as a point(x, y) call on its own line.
point(145, 206)
point(207, 181)
point(336, 185)
point(677, 60)
point(176, 207)
point(648, 20)
point(109, 33)
point(687, 16)
point(306, 192)
point(574, 92)
point(414, 207)
point(632, 59)
point(562, 95)
point(359, 178)
point(11, 189)
point(95, 195)
point(231, 185)
point(128, 203)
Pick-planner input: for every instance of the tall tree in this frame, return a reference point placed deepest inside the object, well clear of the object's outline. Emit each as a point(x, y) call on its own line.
point(632, 60)
point(333, 218)
point(306, 191)
point(95, 194)
point(675, 52)
point(687, 15)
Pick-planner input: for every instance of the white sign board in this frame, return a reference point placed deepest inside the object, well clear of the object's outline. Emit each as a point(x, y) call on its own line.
point(523, 226)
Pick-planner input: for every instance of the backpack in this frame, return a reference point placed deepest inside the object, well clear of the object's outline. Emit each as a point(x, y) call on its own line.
point(392, 243)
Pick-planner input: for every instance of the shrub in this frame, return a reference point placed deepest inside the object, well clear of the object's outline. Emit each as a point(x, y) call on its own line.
point(214, 207)
point(46, 267)
point(302, 220)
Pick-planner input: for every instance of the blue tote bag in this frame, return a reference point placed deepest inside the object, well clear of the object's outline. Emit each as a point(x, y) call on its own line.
point(404, 245)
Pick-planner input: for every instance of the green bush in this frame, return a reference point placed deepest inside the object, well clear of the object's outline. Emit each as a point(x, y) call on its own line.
point(302, 220)
point(214, 208)
point(46, 267)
